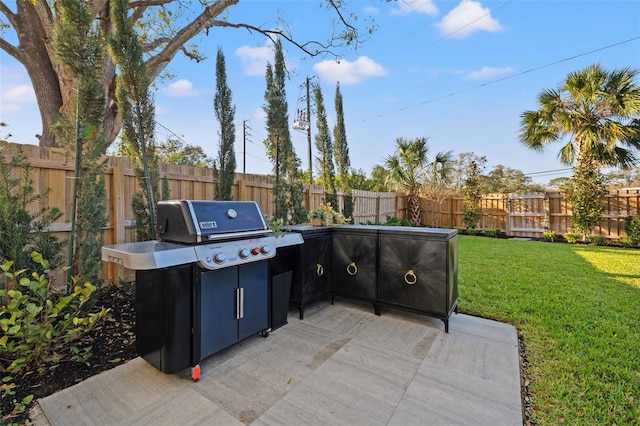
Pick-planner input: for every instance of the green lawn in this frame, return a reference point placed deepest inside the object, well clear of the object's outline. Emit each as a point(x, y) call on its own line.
point(578, 308)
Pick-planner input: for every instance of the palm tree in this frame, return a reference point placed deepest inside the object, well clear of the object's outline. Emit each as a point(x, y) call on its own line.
point(410, 168)
point(595, 113)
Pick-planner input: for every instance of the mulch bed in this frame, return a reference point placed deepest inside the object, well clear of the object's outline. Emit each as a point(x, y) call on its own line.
point(113, 342)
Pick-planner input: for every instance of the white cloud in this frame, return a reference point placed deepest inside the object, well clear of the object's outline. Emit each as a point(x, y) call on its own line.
point(488, 72)
point(406, 7)
point(254, 59)
point(349, 72)
point(181, 89)
point(12, 99)
point(466, 18)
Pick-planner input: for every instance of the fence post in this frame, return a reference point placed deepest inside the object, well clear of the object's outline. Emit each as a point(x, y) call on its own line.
point(116, 271)
point(378, 218)
point(242, 189)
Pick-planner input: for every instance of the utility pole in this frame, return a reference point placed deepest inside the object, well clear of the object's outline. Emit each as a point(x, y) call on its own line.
point(309, 133)
point(303, 122)
point(244, 149)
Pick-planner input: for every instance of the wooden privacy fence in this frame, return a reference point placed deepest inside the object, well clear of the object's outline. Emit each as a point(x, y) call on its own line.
point(53, 169)
point(529, 215)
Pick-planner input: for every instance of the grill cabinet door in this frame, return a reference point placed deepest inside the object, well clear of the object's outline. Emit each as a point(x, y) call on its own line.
point(218, 318)
point(254, 282)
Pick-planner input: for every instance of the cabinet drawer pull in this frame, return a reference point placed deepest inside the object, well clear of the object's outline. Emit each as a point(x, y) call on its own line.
point(319, 270)
point(352, 269)
point(410, 277)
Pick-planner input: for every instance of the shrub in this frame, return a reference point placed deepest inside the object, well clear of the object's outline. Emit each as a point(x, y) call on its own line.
point(632, 226)
point(397, 221)
point(471, 215)
point(598, 240)
point(40, 325)
point(549, 235)
point(628, 242)
point(23, 230)
point(493, 233)
point(572, 238)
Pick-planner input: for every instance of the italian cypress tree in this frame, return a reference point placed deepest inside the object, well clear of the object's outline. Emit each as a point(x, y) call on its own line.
point(224, 167)
point(137, 111)
point(341, 154)
point(78, 43)
point(287, 184)
point(325, 150)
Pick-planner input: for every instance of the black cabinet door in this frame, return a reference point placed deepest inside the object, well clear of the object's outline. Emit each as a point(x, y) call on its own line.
point(354, 265)
point(253, 285)
point(218, 310)
point(413, 274)
point(316, 270)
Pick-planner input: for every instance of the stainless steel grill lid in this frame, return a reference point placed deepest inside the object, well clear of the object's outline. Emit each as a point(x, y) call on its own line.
point(193, 222)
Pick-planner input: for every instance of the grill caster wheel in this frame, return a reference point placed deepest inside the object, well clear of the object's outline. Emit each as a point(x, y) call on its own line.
point(195, 373)
point(265, 333)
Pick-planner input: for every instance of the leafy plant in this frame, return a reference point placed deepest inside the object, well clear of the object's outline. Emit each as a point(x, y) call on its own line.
point(397, 221)
point(22, 229)
point(471, 215)
point(628, 242)
point(492, 233)
point(549, 235)
point(598, 240)
point(571, 238)
point(40, 325)
point(632, 227)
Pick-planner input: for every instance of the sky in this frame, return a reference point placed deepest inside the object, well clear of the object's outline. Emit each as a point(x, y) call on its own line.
point(458, 73)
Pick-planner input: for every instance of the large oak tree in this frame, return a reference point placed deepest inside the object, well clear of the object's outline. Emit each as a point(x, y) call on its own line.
point(32, 22)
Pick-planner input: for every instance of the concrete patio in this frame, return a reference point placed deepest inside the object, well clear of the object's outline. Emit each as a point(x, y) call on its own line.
point(341, 365)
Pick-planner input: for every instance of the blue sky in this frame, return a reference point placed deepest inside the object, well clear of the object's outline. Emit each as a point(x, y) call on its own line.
point(460, 74)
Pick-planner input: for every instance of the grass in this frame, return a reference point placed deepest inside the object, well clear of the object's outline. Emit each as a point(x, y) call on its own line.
point(577, 307)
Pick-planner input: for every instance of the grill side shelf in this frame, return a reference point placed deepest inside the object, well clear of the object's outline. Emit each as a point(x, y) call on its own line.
point(146, 255)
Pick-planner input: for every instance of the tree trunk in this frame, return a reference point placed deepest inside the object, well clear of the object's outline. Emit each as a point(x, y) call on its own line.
point(33, 54)
point(413, 204)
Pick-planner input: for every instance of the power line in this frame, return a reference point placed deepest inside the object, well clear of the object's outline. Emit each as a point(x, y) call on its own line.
point(428, 101)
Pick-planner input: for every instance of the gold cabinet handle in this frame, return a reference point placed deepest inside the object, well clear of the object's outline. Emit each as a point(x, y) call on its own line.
point(319, 270)
point(352, 269)
point(410, 277)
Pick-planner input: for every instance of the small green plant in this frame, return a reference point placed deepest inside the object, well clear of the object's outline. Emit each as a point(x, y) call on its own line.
point(628, 242)
point(40, 325)
point(328, 215)
point(276, 226)
point(572, 238)
point(397, 221)
point(632, 227)
point(549, 235)
point(471, 215)
point(492, 233)
point(598, 240)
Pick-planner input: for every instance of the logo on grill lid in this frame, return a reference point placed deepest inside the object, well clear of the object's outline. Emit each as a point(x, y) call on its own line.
point(208, 225)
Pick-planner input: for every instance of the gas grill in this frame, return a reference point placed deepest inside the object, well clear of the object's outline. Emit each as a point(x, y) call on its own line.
point(205, 286)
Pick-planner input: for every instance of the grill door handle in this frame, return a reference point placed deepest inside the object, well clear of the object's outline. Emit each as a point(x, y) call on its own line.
point(241, 303)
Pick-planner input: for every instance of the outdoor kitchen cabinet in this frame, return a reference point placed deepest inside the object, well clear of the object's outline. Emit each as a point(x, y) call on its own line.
point(354, 267)
point(311, 265)
point(233, 306)
point(186, 313)
point(418, 270)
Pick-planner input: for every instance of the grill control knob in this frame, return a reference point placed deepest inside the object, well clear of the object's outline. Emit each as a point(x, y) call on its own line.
point(244, 253)
point(219, 258)
point(256, 251)
point(265, 249)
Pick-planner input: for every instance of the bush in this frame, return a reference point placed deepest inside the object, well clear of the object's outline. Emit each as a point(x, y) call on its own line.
point(549, 235)
point(40, 326)
point(23, 229)
point(493, 233)
point(632, 226)
point(572, 238)
point(397, 221)
point(628, 242)
point(598, 240)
